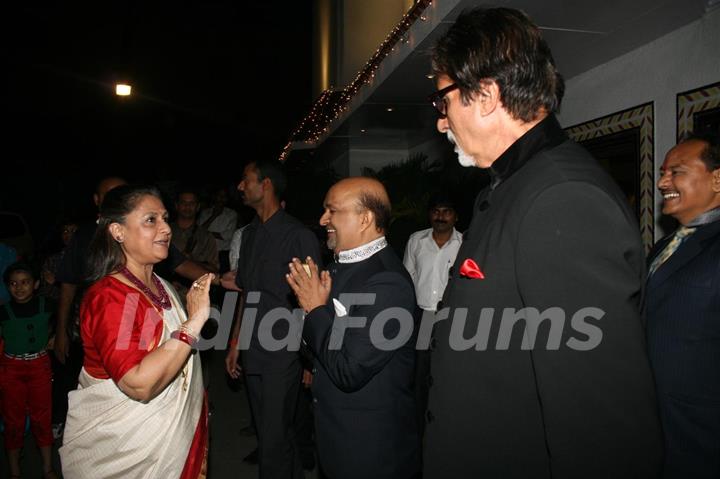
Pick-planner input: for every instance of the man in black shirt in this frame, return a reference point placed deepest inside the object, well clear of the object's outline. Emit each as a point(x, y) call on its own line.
point(272, 377)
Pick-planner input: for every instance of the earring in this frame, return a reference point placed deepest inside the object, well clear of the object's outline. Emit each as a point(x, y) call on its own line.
point(119, 240)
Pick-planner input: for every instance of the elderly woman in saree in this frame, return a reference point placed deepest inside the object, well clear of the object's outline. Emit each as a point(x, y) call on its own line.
point(140, 409)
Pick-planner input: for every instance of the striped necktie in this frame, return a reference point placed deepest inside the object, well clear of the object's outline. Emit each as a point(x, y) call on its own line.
point(682, 233)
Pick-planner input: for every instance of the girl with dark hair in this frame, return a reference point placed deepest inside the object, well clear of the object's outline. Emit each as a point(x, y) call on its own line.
point(140, 409)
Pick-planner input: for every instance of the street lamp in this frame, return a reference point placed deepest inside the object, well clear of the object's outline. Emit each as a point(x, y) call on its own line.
point(123, 89)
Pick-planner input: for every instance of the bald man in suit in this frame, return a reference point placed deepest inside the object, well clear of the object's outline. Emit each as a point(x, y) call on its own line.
point(365, 417)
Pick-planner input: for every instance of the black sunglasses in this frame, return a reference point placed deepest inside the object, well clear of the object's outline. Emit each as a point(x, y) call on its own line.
point(437, 99)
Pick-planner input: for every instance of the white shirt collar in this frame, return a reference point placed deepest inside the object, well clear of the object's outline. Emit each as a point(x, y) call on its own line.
point(456, 235)
point(363, 252)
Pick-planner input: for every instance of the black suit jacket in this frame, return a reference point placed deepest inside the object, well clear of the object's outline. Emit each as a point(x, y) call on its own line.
point(554, 234)
point(683, 312)
point(365, 408)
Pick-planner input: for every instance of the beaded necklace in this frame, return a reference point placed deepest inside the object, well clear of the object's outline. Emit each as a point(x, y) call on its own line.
point(161, 300)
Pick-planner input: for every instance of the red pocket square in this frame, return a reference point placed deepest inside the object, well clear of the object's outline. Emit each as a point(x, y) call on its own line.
point(470, 269)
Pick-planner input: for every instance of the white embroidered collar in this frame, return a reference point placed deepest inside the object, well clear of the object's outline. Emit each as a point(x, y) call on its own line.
point(363, 252)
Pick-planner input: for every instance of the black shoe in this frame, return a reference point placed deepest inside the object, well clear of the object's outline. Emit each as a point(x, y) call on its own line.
point(251, 458)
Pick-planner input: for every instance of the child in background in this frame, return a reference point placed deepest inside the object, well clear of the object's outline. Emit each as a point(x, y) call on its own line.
point(25, 371)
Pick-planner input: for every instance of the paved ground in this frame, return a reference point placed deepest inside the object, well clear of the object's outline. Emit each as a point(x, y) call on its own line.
point(229, 439)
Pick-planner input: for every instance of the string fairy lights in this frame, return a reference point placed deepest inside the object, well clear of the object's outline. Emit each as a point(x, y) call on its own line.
point(332, 103)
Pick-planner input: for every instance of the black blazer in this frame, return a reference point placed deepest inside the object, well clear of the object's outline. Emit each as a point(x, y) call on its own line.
point(556, 233)
point(364, 402)
point(683, 312)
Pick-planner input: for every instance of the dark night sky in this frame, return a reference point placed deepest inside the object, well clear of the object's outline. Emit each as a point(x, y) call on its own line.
point(216, 82)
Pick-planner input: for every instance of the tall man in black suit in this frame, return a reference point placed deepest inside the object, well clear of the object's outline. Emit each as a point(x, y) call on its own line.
point(272, 374)
point(540, 369)
point(683, 311)
point(359, 325)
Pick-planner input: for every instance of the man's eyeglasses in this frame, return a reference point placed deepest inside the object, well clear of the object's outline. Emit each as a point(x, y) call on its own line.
point(437, 99)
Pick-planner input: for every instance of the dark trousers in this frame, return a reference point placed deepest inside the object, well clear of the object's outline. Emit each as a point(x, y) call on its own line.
point(65, 379)
point(304, 426)
point(422, 387)
point(273, 401)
